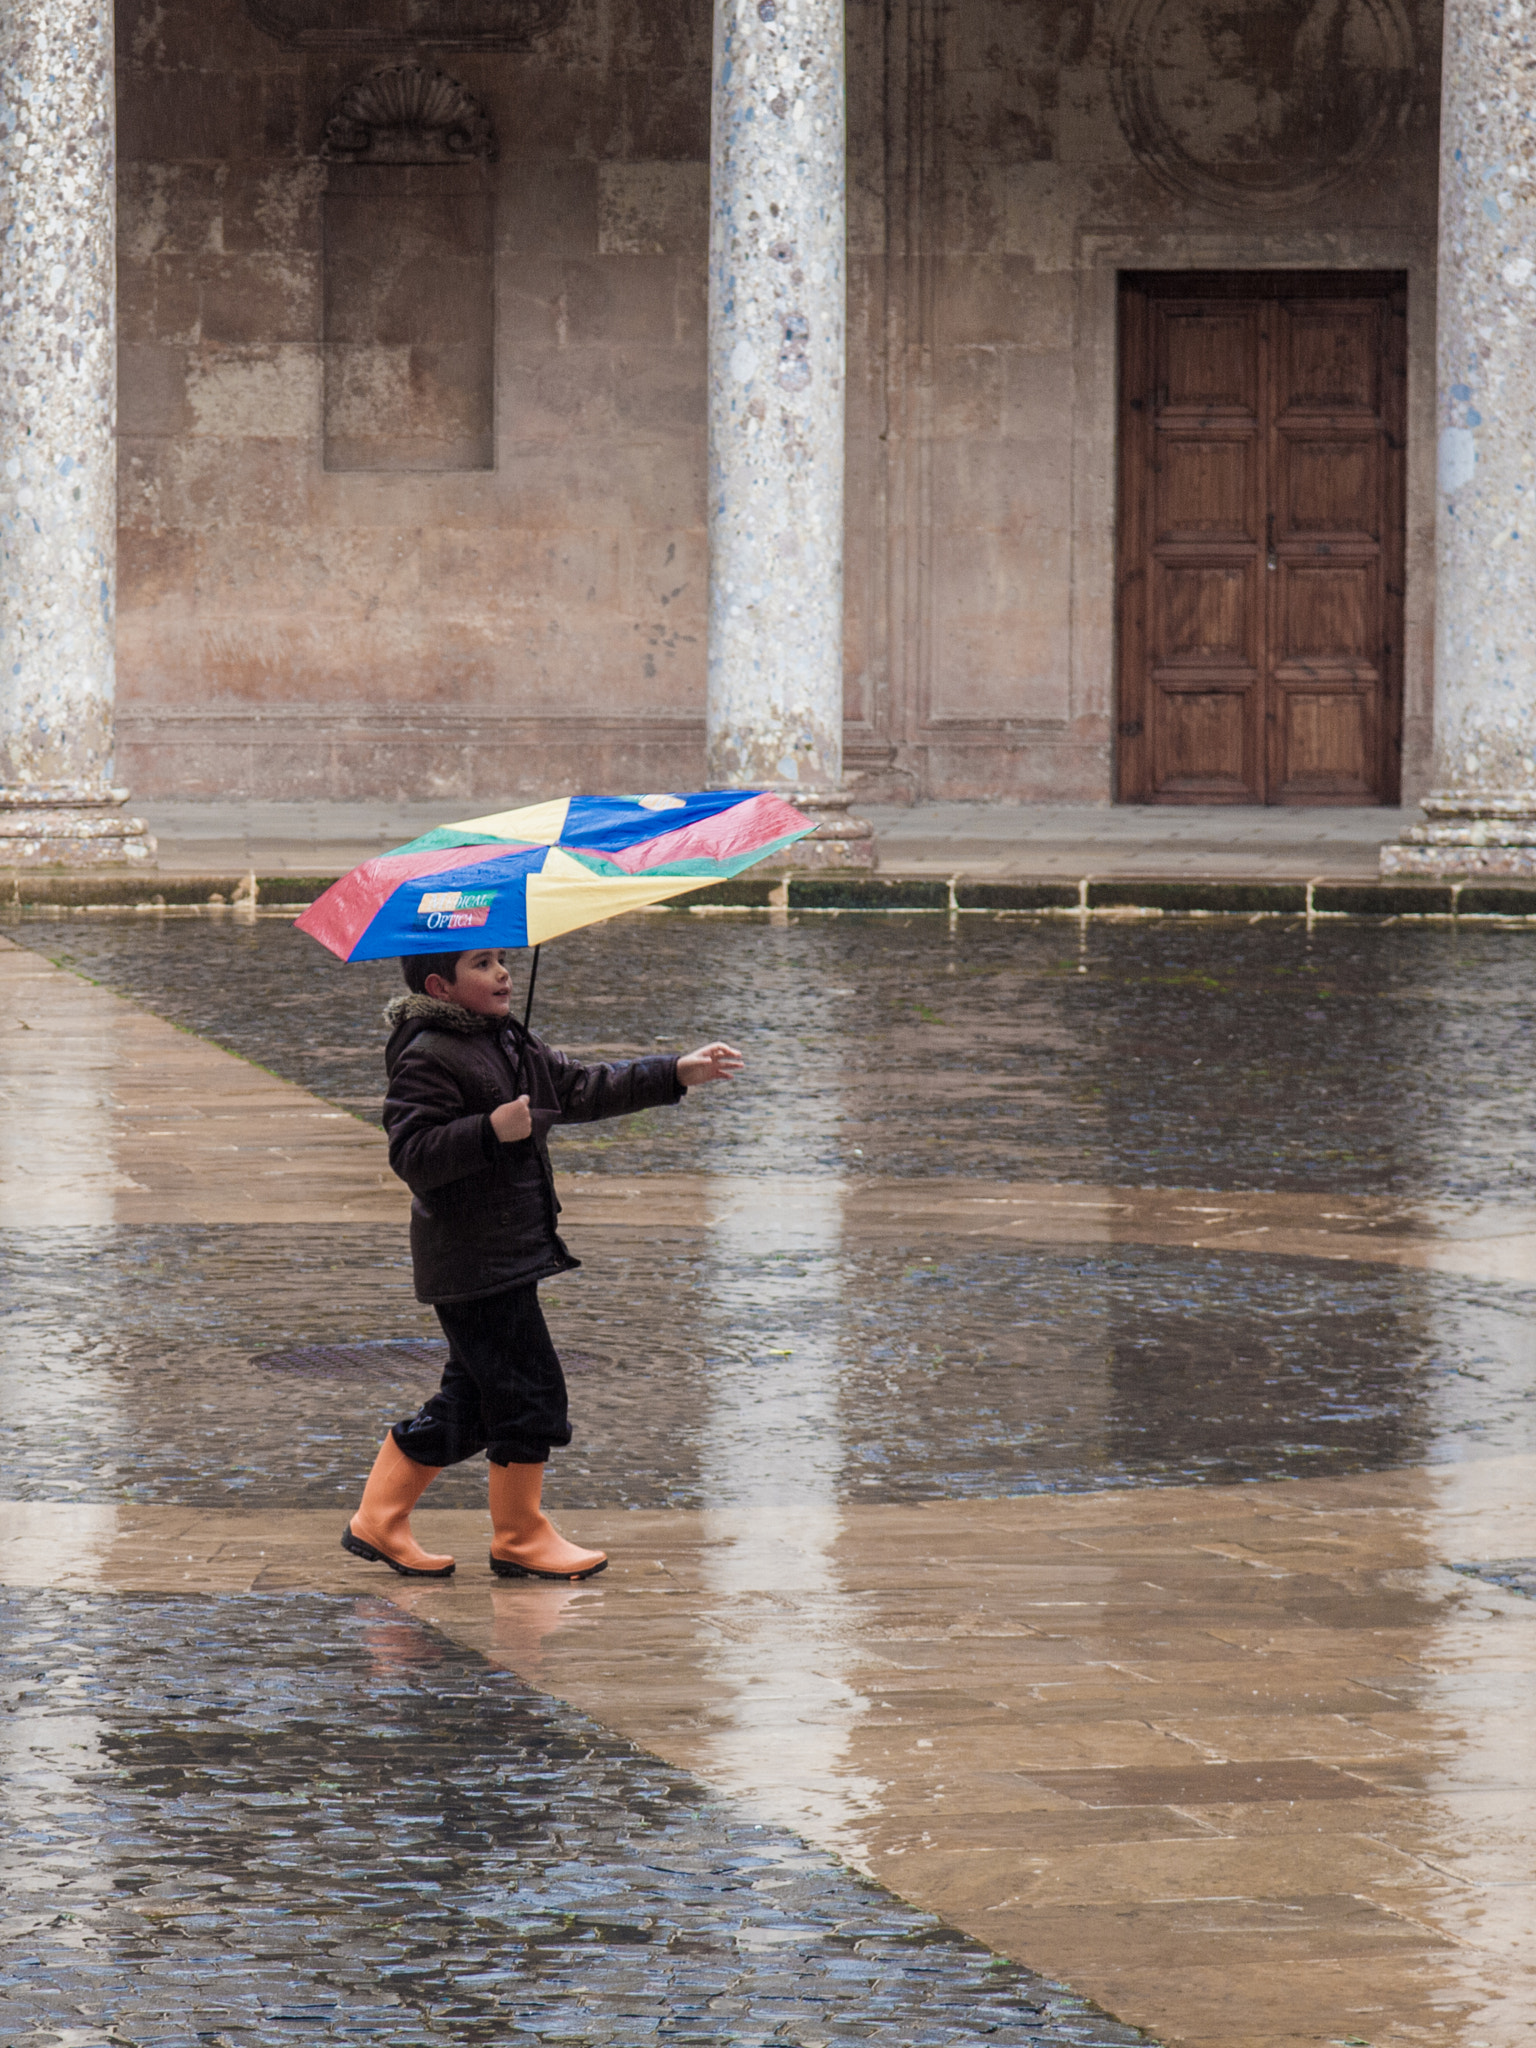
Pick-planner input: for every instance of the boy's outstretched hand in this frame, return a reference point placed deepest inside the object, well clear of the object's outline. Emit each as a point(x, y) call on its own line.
point(718, 1062)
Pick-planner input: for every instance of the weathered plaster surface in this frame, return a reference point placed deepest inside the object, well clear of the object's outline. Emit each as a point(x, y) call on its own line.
point(1485, 660)
point(289, 630)
point(292, 631)
point(777, 298)
point(57, 393)
point(1064, 144)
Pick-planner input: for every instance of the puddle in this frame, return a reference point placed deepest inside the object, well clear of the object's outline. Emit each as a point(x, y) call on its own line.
point(1356, 1060)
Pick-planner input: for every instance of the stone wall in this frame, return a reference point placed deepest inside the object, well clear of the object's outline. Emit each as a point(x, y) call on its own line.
point(293, 629)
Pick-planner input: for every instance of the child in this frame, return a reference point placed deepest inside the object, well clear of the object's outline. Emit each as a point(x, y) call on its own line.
point(471, 1101)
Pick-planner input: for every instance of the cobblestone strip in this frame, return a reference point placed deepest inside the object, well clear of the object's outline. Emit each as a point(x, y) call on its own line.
point(236, 1821)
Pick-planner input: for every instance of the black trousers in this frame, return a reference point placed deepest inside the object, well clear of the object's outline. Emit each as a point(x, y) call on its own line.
point(502, 1392)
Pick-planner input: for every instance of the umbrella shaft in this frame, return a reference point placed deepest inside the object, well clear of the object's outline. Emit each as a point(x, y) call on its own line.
point(522, 1050)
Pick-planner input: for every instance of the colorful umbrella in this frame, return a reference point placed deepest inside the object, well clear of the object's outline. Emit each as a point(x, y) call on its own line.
point(521, 877)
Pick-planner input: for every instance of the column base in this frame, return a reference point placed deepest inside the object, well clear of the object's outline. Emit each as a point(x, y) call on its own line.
point(1469, 833)
point(839, 840)
point(71, 826)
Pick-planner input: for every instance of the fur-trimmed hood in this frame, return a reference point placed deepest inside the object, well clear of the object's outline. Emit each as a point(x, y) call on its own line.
point(429, 1013)
point(409, 1017)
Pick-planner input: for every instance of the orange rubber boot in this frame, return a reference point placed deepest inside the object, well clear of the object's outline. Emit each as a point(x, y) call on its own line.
point(525, 1543)
point(381, 1528)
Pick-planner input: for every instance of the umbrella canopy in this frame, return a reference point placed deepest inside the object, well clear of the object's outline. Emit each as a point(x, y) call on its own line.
point(520, 877)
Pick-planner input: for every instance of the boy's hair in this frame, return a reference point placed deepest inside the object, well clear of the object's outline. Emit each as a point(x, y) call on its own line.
point(417, 966)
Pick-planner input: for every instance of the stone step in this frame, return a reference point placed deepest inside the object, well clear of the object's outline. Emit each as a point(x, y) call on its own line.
point(857, 890)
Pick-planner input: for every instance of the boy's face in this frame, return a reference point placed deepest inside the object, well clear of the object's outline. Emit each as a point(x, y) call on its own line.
point(480, 983)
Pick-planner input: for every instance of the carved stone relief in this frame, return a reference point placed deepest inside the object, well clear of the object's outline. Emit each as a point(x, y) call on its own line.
point(1245, 102)
point(407, 114)
point(389, 24)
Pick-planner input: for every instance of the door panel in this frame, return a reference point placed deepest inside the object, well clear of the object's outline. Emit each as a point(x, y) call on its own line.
point(1205, 488)
point(1207, 360)
point(1328, 356)
point(1261, 538)
point(1208, 613)
point(1205, 744)
point(1327, 613)
point(1329, 487)
point(1325, 741)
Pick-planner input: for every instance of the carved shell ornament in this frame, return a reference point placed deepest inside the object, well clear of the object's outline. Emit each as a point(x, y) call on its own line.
point(1260, 103)
point(407, 114)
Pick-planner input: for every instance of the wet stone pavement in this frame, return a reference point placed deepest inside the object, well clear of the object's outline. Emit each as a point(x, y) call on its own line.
point(142, 1369)
point(253, 1820)
point(293, 1816)
point(1210, 1055)
point(1180, 1053)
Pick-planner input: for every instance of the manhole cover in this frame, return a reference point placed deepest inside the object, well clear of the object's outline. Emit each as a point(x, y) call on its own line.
point(384, 1357)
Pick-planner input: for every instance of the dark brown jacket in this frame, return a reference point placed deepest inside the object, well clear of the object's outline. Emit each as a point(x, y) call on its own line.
point(483, 1213)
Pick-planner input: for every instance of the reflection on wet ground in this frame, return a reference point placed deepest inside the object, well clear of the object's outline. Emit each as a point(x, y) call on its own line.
point(1247, 1765)
point(248, 1820)
point(306, 1819)
point(1181, 1053)
point(876, 1375)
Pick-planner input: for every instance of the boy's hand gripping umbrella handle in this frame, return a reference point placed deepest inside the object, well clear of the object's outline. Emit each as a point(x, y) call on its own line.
point(513, 1121)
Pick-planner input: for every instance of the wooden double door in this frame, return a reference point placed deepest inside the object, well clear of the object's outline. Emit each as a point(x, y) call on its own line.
point(1261, 537)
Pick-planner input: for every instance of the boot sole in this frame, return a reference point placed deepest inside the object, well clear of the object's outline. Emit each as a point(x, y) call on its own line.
point(359, 1548)
point(506, 1570)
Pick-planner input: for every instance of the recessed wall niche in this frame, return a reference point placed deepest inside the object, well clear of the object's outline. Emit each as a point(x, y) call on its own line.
point(409, 293)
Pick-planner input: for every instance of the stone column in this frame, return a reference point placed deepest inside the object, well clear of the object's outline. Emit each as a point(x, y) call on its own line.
point(58, 473)
point(777, 289)
point(1482, 813)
